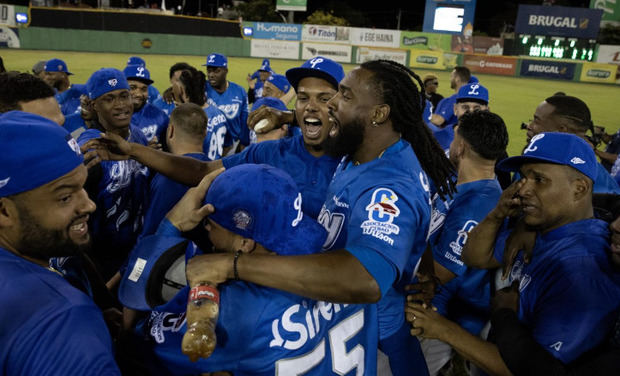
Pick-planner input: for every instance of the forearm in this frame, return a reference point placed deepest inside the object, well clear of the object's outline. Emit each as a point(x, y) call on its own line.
point(478, 250)
point(483, 354)
point(186, 170)
point(335, 276)
point(609, 157)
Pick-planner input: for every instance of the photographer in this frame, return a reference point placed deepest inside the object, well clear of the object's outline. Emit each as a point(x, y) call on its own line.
point(609, 156)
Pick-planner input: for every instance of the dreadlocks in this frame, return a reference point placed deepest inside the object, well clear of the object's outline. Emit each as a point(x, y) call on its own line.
point(394, 84)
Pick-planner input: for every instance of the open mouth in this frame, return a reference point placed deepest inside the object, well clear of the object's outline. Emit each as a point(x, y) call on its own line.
point(79, 229)
point(313, 127)
point(122, 115)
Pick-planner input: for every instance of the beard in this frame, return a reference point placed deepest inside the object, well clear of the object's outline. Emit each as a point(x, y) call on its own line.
point(346, 142)
point(42, 243)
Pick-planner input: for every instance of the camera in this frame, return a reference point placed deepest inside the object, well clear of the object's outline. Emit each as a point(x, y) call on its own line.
point(597, 135)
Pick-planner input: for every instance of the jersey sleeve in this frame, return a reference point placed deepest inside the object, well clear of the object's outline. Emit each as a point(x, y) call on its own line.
point(248, 155)
point(445, 108)
point(74, 341)
point(383, 221)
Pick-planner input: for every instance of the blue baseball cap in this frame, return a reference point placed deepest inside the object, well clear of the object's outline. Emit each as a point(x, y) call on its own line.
point(136, 60)
point(216, 60)
point(138, 73)
point(35, 151)
point(56, 65)
point(473, 92)
point(280, 82)
point(155, 272)
point(320, 67)
point(105, 80)
point(272, 102)
point(263, 203)
point(473, 79)
point(265, 66)
point(558, 148)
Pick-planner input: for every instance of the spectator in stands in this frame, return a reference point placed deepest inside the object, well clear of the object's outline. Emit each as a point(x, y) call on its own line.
point(431, 83)
point(569, 282)
point(444, 113)
point(68, 95)
point(25, 92)
point(47, 326)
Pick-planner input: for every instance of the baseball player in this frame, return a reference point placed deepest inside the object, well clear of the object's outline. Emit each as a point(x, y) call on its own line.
point(166, 101)
point(149, 119)
point(56, 74)
point(229, 97)
point(444, 113)
point(119, 188)
point(153, 93)
point(48, 327)
point(257, 211)
point(257, 80)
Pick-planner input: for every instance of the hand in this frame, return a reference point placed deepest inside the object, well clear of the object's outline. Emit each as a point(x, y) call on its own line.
point(520, 239)
point(508, 297)
point(213, 267)
point(425, 289)
point(86, 108)
point(614, 228)
point(264, 112)
point(110, 146)
point(426, 322)
point(91, 157)
point(189, 211)
point(509, 203)
point(154, 143)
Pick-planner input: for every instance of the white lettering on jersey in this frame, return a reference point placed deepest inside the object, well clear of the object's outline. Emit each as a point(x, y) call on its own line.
point(122, 172)
point(557, 346)
point(161, 322)
point(332, 222)
point(300, 214)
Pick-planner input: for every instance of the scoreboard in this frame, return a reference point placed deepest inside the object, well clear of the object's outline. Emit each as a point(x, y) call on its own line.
point(555, 47)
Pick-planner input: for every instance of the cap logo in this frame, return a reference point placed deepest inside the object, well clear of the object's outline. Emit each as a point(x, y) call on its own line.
point(473, 90)
point(140, 72)
point(211, 59)
point(242, 219)
point(577, 160)
point(59, 67)
point(4, 182)
point(300, 214)
point(315, 61)
point(531, 148)
point(113, 82)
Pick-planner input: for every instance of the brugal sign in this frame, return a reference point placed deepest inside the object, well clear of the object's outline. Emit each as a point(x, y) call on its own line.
point(558, 21)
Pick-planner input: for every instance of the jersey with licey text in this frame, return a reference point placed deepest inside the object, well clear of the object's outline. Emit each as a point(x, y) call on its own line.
point(48, 327)
point(381, 207)
point(569, 294)
point(279, 333)
point(69, 100)
point(311, 174)
point(217, 129)
point(120, 198)
point(445, 108)
point(465, 299)
point(234, 104)
point(151, 121)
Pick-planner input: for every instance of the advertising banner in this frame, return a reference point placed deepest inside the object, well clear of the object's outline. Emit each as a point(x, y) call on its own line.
point(276, 49)
point(322, 33)
point(594, 72)
point(425, 41)
point(488, 45)
point(608, 54)
point(267, 30)
point(337, 52)
point(426, 59)
point(364, 54)
point(9, 37)
point(504, 66)
point(610, 8)
point(548, 69)
point(448, 16)
point(558, 21)
point(294, 5)
point(7, 15)
point(375, 37)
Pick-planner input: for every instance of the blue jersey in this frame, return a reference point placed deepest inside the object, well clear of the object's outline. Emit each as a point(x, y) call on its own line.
point(567, 296)
point(75, 125)
point(615, 170)
point(465, 299)
point(120, 197)
point(604, 183)
point(47, 327)
point(234, 104)
point(151, 121)
point(164, 193)
point(164, 106)
point(444, 137)
point(445, 108)
point(264, 331)
point(311, 174)
point(69, 100)
point(217, 128)
point(258, 89)
point(380, 211)
point(153, 94)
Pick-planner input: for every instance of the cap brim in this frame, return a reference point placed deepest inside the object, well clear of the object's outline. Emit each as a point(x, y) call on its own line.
point(140, 79)
point(513, 164)
point(155, 272)
point(294, 75)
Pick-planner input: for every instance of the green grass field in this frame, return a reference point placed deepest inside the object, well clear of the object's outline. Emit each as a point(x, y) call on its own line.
point(515, 99)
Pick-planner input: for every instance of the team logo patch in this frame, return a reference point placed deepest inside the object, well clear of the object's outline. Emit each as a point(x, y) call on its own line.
point(4, 182)
point(113, 82)
point(382, 210)
point(73, 145)
point(458, 244)
point(59, 68)
point(242, 219)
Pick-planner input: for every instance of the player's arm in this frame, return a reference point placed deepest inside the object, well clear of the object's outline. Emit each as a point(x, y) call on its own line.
point(275, 118)
point(478, 252)
point(186, 170)
point(437, 120)
point(605, 156)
